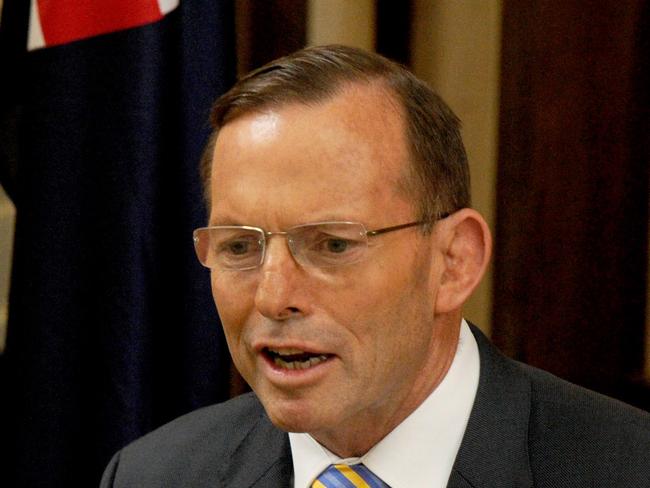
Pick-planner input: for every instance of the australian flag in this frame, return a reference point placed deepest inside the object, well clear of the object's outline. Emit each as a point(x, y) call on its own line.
point(112, 329)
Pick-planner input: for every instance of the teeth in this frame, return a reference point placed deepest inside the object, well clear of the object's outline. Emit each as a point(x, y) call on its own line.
point(315, 360)
point(312, 361)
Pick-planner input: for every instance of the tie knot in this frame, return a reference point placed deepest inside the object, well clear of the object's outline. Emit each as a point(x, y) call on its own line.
point(348, 476)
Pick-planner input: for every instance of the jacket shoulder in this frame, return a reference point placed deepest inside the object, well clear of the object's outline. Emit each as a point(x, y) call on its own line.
point(192, 450)
point(228, 422)
point(576, 434)
point(533, 427)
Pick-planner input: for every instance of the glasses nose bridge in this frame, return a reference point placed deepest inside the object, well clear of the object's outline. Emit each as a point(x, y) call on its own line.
point(269, 233)
point(289, 240)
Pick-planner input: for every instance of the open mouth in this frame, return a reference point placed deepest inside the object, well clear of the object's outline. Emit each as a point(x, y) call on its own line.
point(289, 358)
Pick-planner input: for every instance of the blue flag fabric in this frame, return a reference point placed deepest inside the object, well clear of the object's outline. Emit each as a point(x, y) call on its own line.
point(112, 329)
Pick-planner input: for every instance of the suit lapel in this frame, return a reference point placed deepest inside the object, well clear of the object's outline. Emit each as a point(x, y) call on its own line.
point(266, 455)
point(494, 451)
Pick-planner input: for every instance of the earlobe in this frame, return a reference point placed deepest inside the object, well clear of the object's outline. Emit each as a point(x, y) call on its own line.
point(466, 245)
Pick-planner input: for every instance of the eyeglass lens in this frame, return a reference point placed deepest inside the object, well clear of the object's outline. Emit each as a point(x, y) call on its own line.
point(321, 245)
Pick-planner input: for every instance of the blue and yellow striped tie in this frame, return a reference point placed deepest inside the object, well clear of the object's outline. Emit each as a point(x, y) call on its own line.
point(344, 476)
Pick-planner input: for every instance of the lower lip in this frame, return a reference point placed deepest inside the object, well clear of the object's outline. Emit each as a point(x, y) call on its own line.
point(295, 377)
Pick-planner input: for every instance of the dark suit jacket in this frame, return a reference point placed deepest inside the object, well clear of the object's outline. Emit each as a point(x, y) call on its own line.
point(527, 428)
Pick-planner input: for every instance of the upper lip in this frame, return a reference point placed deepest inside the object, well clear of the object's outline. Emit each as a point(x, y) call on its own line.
point(285, 351)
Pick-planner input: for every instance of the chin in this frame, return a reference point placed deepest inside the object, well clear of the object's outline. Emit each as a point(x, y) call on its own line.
point(293, 415)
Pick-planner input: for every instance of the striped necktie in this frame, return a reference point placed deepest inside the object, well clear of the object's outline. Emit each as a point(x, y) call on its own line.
point(344, 476)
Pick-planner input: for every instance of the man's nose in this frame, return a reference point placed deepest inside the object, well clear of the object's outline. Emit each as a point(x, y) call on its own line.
point(278, 294)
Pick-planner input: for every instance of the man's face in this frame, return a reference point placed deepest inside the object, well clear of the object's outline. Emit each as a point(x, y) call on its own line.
point(373, 320)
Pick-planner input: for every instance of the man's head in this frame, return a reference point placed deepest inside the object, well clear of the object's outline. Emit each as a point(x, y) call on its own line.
point(342, 352)
point(437, 177)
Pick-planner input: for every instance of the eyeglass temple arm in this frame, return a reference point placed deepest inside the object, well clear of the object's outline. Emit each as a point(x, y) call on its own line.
point(371, 233)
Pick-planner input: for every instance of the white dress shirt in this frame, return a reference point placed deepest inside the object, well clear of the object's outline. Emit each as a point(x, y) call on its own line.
point(420, 451)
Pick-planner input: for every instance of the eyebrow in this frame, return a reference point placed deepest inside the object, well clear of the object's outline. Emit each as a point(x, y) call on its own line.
point(225, 221)
point(229, 221)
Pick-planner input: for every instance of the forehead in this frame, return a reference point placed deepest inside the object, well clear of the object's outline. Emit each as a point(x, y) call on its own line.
point(349, 151)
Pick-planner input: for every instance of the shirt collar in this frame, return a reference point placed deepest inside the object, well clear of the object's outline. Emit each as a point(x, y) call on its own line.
point(421, 450)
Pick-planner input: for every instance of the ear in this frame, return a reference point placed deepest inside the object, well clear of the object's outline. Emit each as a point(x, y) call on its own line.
point(466, 245)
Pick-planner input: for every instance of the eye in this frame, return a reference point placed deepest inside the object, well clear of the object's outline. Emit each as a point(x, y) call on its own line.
point(237, 247)
point(336, 246)
point(333, 245)
point(328, 244)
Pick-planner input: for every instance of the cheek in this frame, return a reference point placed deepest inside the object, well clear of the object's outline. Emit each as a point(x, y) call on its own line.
point(234, 312)
point(233, 307)
point(389, 310)
point(372, 316)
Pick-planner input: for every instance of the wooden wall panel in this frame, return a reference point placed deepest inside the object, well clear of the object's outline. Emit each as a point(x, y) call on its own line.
point(572, 193)
point(267, 30)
